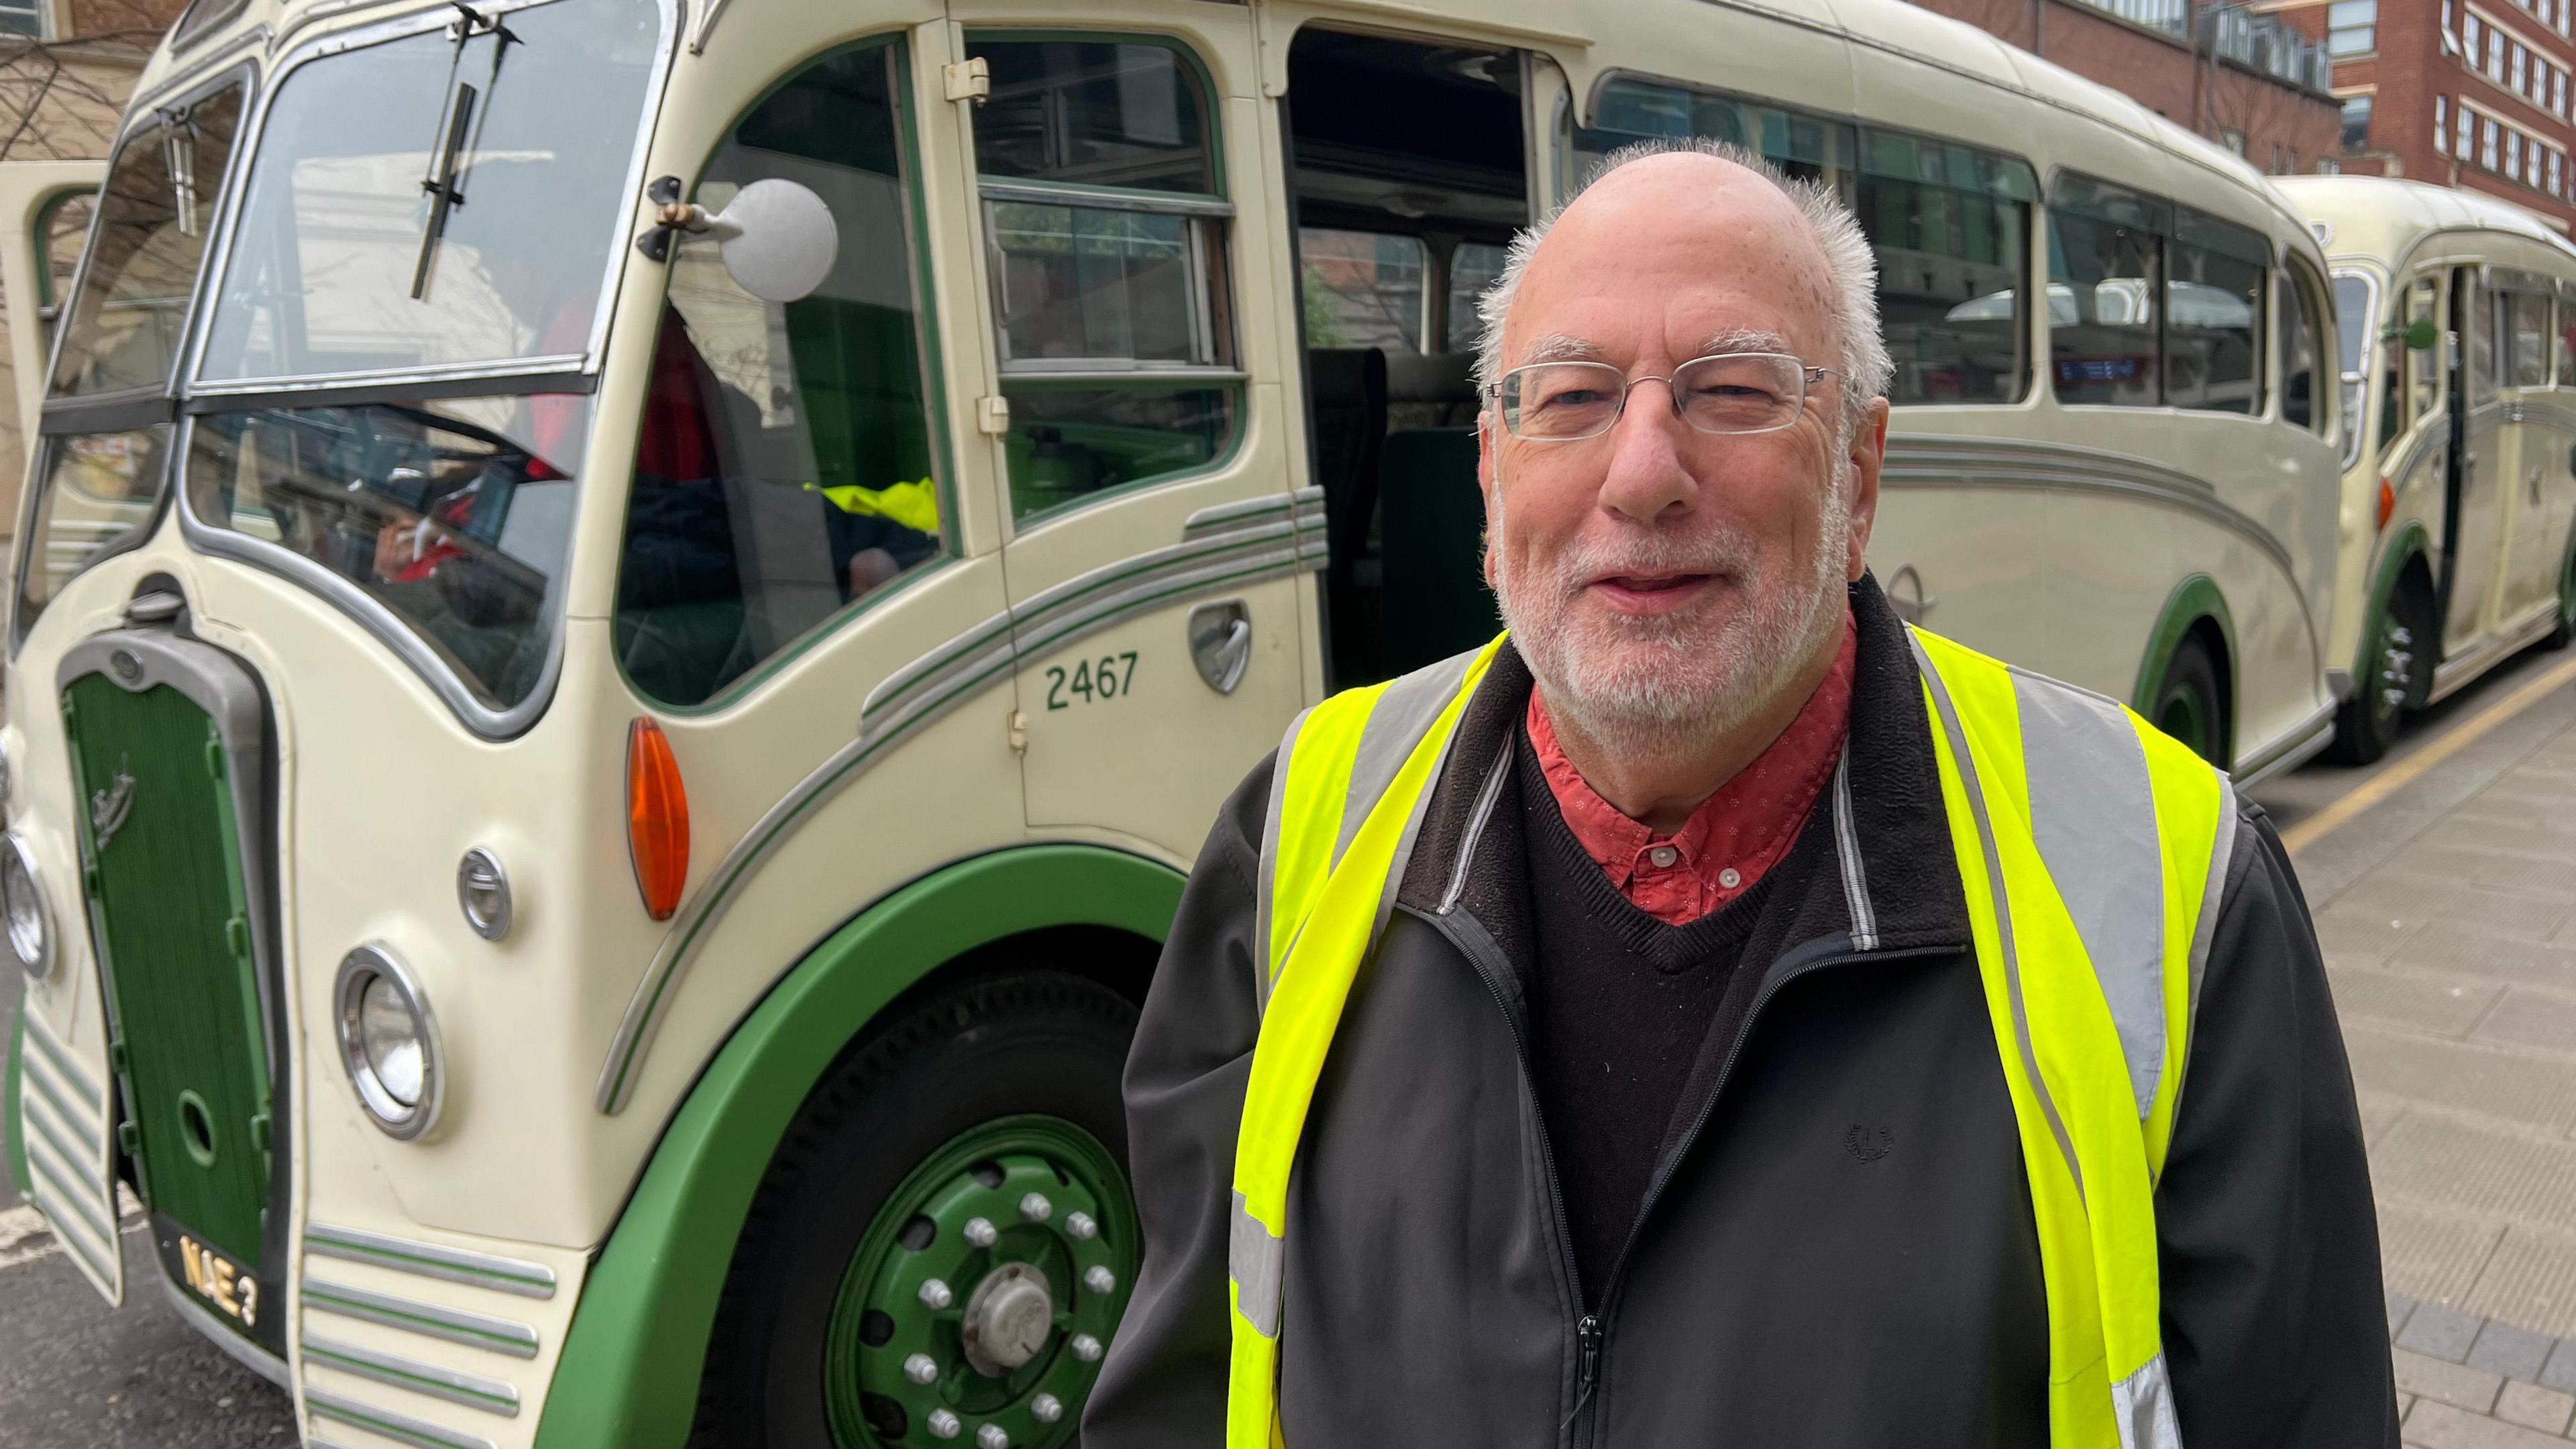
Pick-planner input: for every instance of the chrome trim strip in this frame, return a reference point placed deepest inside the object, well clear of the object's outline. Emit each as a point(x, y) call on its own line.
point(72, 1226)
point(96, 1208)
point(475, 1330)
point(60, 1058)
point(1030, 369)
point(242, 1351)
point(401, 1428)
point(395, 376)
point(1101, 198)
point(1306, 506)
point(430, 1260)
point(2295, 747)
point(472, 1390)
point(1235, 545)
point(2453, 675)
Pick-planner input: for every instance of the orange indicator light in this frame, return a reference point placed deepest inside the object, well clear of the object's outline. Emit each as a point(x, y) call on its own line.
point(657, 818)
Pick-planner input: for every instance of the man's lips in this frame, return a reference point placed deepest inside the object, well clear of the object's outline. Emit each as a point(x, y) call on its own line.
point(1649, 593)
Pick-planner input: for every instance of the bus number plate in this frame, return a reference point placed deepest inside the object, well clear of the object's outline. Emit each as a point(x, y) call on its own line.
point(215, 1279)
point(1090, 682)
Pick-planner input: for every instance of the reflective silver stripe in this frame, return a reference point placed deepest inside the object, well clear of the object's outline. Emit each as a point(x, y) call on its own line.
point(1486, 795)
point(1258, 1263)
point(439, 1382)
point(1270, 863)
point(2093, 816)
point(432, 1260)
point(1864, 916)
point(2222, 852)
point(401, 1428)
point(480, 1330)
point(1397, 723)
point(2143, 1404)
point(2003, 908)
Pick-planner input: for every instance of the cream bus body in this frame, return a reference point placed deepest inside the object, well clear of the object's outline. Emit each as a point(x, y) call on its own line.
point(2458, 496)
point(1003, 624)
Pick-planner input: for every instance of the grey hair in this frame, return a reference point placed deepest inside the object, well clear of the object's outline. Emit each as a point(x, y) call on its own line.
point(1864, 363)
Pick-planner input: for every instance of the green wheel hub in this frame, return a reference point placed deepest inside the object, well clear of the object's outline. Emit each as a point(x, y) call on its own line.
point(2181, 716)
point(984, 1293)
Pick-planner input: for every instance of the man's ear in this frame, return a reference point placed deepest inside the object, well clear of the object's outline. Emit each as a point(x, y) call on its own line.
point(1868, 458)
point(1489, 474)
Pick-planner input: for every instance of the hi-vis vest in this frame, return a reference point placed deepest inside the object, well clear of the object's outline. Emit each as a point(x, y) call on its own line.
point(2092, 849)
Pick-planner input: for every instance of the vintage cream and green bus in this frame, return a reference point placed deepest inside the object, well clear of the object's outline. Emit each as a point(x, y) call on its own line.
point(2458, 328)
point(627, 617)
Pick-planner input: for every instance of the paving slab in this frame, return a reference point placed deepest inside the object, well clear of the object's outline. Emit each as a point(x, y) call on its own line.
point(2433, 1425)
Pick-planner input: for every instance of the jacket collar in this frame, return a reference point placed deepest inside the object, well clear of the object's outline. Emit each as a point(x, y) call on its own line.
point(1898, 881)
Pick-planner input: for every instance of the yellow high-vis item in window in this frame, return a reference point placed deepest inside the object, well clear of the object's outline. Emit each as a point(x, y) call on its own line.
point(915, 505)
point(2092, 849)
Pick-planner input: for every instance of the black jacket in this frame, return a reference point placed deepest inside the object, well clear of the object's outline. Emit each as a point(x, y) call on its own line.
point(1839, 1248)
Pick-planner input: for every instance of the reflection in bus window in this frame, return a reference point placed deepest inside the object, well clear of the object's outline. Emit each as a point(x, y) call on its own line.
point(1362, 288)
point(2482, 327)
point(1473, 267)
point(94, 497)
point(2300, 387)
point(2213, 320)
point(158, 205)
point(784, 471)
point(326, 272)
point(2424, 369)
point(1947, 225)
point(2104, 270)
point(453, 515)
point(1111, 311)
point(2529, 315)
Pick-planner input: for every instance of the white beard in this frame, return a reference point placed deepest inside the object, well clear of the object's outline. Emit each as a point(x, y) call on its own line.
point(1670, 686)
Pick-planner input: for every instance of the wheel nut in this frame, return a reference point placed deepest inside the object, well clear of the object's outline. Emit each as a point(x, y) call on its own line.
point(921, 1368)
point(1080, 1225)
point(935, 1294)
point(1046, 1408)
point(980, 1233)
point(943, 1424)
point(1036, 1208)
point(992, 1436)
point(1086, 1348)
point(1100, 1280)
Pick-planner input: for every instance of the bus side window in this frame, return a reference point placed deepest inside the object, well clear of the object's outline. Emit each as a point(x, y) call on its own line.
point(2424, 369)
point(2299, 334)
point(2530, 317)
point(2564, 346)
point(1105, 224)
point(1473, 267)
point(1949, 226)
point(2478, 322)
point(2105, 288)
point(2214, 297)
point(784, 470)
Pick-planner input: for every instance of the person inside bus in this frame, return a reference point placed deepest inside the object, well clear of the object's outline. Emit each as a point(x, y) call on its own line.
point(1763, 1023)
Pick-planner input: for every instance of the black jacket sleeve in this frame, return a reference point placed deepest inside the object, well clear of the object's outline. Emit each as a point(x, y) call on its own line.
point(2275, 1329)
point(1164, 1381)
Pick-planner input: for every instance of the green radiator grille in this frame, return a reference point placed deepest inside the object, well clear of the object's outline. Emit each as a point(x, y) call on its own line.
point(172, 923)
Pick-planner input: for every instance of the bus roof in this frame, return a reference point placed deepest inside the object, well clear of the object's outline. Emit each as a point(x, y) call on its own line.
point(2383, 218)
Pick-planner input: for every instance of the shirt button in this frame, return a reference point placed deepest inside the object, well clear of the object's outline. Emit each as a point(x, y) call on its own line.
point(1730, 878)
point(1663, 856)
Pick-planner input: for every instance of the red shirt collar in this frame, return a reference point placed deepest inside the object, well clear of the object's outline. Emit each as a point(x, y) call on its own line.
point(1737, 834)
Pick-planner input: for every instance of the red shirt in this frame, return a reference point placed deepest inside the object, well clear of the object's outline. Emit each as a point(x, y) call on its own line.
point(1736, 834)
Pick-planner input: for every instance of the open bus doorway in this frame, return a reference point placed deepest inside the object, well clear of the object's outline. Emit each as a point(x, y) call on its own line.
point(1407, 177)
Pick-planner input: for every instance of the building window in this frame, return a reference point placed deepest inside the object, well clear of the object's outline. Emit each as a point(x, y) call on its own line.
point(2329, 166)
point(2512, 153)
point(2356, 123)
point(2557, 172)
point(2233, 141)
point(2487, 143)
point(2446, 17)
point(2468, 135)
point(2352, 27)
point(2495, 53)
point(2514, 72)
point(2442, 124)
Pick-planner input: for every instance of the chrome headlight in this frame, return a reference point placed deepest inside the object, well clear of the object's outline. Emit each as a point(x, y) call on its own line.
point(23, 912)
point(388, 1041)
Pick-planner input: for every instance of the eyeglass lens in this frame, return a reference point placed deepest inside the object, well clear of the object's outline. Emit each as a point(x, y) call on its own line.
point(1749, 392)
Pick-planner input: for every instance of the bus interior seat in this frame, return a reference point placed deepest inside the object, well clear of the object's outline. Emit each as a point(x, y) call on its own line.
point(1435, 390)
point(1432, 525)
point(782, 543)
point(1347, 391)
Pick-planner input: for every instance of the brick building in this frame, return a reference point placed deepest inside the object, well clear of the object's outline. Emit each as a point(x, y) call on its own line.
point(2253, 83)
point(2479, 94)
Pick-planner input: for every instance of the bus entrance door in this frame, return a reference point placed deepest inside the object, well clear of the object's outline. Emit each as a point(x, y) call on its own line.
point(2473, 504)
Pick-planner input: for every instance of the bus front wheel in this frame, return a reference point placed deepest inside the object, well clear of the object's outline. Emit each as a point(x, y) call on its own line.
point(2393, 681)
point(943, 1245)
point(2188, 702)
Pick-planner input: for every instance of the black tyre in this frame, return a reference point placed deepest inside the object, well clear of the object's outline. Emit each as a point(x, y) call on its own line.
point(966, 1157)
point(2565, 628)
point(2189, 704)
point(2399, 671)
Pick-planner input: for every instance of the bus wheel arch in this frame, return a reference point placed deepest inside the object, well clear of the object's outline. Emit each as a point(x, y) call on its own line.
point(2187, 677)
point(631, 1365)
point(2400, 633)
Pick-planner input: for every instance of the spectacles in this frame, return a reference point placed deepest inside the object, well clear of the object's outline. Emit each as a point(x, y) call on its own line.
point(1732, 392)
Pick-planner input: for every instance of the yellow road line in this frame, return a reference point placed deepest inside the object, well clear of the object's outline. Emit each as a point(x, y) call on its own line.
point(2407, 771)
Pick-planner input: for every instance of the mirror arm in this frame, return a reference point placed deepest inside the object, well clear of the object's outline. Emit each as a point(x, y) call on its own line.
point(655, 242)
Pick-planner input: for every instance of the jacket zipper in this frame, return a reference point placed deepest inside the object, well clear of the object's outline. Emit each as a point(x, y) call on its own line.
point(1591, 1328)
point(1690, 1138)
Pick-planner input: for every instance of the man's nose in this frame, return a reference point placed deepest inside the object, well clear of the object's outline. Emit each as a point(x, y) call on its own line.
point(1646, 479)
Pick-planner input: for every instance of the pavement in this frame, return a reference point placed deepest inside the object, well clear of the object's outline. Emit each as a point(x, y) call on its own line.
point(2443, 883)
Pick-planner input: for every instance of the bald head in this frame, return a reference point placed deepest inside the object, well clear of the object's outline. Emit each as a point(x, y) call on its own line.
point(1726, 233)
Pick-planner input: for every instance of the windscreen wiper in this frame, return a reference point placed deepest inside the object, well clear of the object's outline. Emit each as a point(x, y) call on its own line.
point(459, 129)
point(179, 159)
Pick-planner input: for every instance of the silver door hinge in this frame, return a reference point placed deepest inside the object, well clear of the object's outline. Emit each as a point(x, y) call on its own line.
point(993, 415)
point(1017, 732)
point(967, 80)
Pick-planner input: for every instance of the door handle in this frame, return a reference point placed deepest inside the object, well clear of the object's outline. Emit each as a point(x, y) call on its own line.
point(1220, 636)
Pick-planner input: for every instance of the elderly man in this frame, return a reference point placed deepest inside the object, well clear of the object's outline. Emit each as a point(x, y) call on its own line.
point(1716, 1013)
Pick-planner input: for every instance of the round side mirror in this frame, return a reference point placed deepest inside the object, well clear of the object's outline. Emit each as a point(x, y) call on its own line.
point(777, 239)
point(2418, 335)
